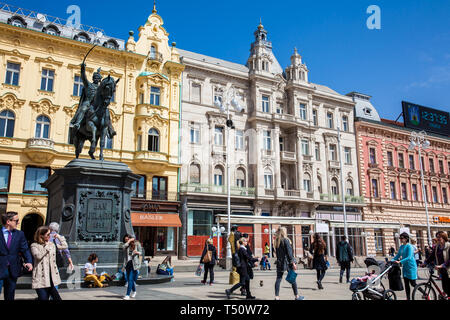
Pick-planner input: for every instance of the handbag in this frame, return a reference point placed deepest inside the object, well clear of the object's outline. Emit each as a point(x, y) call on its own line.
point(291, 276)
point(61, 261)
point(199, 270)
point(208, 257)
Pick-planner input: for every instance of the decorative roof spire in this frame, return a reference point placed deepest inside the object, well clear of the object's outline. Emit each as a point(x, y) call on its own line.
point(260, 24)
point(154, 6)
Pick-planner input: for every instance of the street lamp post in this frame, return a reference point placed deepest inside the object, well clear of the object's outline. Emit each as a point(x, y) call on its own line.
point(419, 140)
point(220, 231)
point(342, 183)
point(229, 99)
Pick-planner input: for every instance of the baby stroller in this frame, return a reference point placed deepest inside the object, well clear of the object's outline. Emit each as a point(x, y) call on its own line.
point(370, 286)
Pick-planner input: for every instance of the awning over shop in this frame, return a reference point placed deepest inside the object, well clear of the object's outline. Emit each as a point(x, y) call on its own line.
point(143, 219)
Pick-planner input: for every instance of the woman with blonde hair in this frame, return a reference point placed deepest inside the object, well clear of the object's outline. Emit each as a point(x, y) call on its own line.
point(45, 275)
point(285, 261)
point(319, 252)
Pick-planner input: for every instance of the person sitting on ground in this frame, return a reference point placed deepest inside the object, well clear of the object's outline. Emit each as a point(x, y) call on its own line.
point(91, 274)
point(166, 267)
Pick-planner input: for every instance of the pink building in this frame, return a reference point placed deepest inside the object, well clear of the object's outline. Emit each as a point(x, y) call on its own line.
point(390, 180)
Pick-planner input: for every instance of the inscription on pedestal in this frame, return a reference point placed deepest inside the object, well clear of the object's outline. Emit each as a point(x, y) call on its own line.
point(100, 215)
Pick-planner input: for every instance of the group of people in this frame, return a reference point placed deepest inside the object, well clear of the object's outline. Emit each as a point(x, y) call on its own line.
point(438, 256)
point(41, 258)
point(47, 254)
point(244, 261)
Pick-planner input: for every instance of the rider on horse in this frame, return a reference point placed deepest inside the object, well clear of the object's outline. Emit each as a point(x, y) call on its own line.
point(86, 99)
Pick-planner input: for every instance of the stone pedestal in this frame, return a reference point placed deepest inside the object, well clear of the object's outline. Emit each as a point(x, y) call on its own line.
point(90, 199)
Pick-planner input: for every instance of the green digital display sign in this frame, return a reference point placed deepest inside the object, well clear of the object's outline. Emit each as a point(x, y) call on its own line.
point(423, 118)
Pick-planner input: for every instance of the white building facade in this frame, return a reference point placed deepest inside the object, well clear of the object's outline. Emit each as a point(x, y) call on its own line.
point(283, 151)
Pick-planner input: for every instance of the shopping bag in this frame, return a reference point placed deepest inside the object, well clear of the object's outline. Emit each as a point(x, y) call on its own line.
point(199, 270)
point(234, 277)
point(291, 276)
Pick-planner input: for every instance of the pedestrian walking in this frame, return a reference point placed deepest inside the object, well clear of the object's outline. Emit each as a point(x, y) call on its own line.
point(267, 250)
point(320, 253)
point(12, 243)
point(209, 259)
point(285, 261)
point(233, 239)
point(64, 257)
point(416, 251)
point(440, 257)
point(246, 262)
point(132, 263)
point(405, 256)
point(344, 256)
point(45, 276)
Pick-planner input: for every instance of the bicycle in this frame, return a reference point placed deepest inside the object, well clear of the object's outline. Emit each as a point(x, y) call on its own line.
point(425, 290)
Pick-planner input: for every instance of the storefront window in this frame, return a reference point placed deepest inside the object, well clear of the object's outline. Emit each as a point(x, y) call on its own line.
point(165, 239)
point(200, 223)
point(378, 241)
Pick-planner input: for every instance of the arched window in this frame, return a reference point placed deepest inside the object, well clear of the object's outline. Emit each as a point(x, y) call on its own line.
point(268, 179)
point(42, 127)
point(307, 182)
point(51, 29)
point(17, 22)
point(334, 186)
point(111, 43)
point(349, 187)
point(218, 176)
point(82, 37)
point(152, 52)
point(7, 120)
point(240, 178)
point(194, 173)
point(153, 140)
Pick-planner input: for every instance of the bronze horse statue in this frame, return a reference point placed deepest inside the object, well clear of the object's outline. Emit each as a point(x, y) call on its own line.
point(94, 126)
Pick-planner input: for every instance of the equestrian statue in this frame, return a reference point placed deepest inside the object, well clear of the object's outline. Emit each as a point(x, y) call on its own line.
point(92, 120)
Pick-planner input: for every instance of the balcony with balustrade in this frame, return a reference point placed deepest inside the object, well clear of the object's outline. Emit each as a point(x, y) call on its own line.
point(288, 156)
point(196, 188)
point(336, 198)
point(40, 150)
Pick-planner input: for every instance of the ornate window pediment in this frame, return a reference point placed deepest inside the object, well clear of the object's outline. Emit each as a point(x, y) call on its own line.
point(10, 101)
point(44, 106)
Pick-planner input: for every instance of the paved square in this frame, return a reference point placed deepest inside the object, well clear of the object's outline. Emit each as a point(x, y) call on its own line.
point(188, 287)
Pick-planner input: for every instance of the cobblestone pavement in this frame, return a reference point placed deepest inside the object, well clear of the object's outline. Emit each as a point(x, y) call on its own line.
point(188, 287)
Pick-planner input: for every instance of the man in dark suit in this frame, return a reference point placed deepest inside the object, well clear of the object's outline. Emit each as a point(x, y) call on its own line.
point(12, 242)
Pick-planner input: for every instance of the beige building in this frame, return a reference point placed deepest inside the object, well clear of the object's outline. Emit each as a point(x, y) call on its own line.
point(39, 94)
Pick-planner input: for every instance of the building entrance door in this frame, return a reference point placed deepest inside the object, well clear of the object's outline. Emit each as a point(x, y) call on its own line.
point(29, 224)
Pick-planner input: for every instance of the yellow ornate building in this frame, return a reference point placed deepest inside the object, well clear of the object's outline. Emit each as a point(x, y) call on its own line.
point(39, 94)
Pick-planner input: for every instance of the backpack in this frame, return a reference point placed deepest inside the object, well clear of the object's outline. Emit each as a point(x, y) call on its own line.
point(236, 260)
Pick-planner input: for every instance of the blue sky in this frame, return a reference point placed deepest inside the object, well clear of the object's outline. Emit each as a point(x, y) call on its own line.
point(408, 59)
